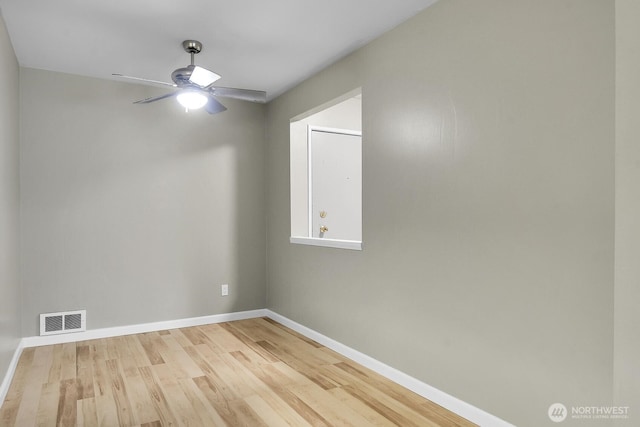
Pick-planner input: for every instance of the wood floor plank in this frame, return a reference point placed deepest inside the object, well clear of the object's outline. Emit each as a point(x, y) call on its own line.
point(302, 408)
point(373, 417)
point(55, 370)
point(69, 368)
point(84, 371)
point(218, 399)
point(120, 393)
point(106, 409)
point(87, 415)
point(200, 403)
point(112, 347)
point(37, 369)
point(277, 377)
point(388, 409)
point(195, 335)
point(143, 409)
point(374, 383)
point(158, 399)
point(178, 403)
point(28, 411)
point(177, 358)
point(252, 373)
point(18, 384)
point(125, 355)
point(48, 405)
point(149, 342)
point(137, 353)
point(67, 404)
point(332, 409)
point(250, 343)
point(267, 414)
point(246, 415)
point(220, 340)
point(298, 362)
point(275, 325)
point(235, 383)
point(277, 404)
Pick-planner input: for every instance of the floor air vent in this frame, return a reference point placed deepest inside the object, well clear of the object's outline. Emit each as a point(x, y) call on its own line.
point(63, 323)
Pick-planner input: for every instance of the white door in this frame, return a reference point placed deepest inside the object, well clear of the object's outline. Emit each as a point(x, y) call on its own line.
point(335, 190)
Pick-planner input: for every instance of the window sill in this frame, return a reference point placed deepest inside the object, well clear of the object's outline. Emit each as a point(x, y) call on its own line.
point(353, 245)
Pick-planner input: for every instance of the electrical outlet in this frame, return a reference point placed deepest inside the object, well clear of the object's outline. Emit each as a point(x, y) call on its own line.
point(224, 290)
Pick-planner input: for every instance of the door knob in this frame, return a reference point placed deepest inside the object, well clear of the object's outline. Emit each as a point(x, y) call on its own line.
point(323, 229)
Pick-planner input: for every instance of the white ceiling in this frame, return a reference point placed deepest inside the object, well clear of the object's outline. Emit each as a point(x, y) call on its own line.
point(266, 45)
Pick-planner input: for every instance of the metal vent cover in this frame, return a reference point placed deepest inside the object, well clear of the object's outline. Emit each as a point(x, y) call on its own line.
point(63, 322)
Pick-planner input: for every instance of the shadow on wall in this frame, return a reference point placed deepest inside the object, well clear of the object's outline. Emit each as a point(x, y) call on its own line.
point(137, 213)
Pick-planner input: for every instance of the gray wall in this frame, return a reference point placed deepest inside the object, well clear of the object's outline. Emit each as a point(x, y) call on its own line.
point(627, 267)
point(487, 270)
point(9, 202)
point(137, 213)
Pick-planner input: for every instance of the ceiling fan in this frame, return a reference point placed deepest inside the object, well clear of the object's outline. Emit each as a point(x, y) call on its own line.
point(195, 86)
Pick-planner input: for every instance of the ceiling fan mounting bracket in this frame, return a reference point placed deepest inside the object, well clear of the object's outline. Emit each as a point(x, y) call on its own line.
point(192, 46)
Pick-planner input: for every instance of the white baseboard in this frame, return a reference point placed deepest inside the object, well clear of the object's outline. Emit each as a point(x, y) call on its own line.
point(443, 399)
point(6, 382)
point(117, 331)
point(37, 341)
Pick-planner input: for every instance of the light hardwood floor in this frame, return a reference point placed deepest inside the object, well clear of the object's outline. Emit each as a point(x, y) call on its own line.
point(247, 373)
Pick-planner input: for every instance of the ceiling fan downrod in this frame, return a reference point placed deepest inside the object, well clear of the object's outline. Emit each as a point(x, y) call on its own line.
point(192, 47)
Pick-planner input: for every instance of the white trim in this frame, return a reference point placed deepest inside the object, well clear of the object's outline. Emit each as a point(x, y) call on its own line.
point(11, 370)
point(439, 397)
point(309, 181)
point(37, 341)
point(141, 328)
point(324, 129)
point(327, 243)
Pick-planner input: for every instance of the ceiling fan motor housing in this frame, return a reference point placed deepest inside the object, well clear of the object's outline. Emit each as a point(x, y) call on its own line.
point(181, 75)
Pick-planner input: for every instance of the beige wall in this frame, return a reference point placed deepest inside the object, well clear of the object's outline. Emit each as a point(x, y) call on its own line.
point(9, 202)
point(137, 213)
point(488, 205)
point(627, 267)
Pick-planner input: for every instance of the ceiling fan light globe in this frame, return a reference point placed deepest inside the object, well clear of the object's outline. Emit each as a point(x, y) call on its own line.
point(192, 100)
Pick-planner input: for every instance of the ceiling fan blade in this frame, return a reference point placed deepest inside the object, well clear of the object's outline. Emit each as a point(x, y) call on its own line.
point(140, 79)
point(203, 77)
point(213, 106)
point(243, 94)
point(155, 98)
